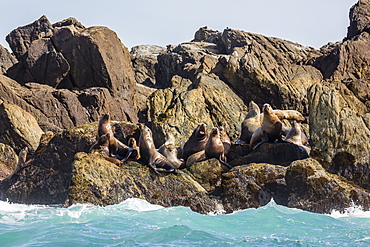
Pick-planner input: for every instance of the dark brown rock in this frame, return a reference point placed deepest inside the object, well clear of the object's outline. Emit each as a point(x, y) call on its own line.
point(359, 17)
point(347, 60)
point(272, 153)
point(253, 185)
point(20, 39)
point(69, 56)
point(311, 188)
point(99, 182)
point(7, 60)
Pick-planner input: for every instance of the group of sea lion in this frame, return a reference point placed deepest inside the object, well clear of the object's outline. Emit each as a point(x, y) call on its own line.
point(167, 158)
point(258, 127)
point(113, 150)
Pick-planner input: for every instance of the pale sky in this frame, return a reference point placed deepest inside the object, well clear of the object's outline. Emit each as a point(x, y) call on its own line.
point(162, 22)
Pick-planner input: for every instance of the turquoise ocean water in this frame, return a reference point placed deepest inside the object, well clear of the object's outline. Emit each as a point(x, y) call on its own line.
point(135, 222)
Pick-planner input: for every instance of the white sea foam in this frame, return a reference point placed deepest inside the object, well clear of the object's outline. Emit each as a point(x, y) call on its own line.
point(353, 211)
point(139, 205)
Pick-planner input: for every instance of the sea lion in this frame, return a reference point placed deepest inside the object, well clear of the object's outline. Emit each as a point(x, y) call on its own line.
point(295, 136)
point(196, 157)
point(289, 114)
point(104, 127)
point(225, 139)
point(133, 144)
point(116, 148)
point(270, 129)
point(169, 150)
point(251, 123)
point(196, 141)
point(22, 157)
point(150, 155)
point(304, 138)
point(214, 147)
point(101, 148)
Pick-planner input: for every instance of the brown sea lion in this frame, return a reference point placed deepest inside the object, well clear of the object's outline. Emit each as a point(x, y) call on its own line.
point(251, 123)
point(270, 129)
point(214, 147)
point(133, 144)
point(116, 148)
point(289, 114)
point(304, 138)
point(104, 127)
point(101, 148)
point(295, 136)
point(169, 150)
point(196, 157)
point(196, 141)
point(225, 139)
point(22, 157)
point(149, 154)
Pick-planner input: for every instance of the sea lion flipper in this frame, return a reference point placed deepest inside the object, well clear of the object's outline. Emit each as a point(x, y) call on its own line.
point(225, 163)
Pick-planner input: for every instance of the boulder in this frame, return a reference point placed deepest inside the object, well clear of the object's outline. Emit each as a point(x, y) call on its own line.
point(337, 122)
point(253, 185)
point(208, 173)
point(311, 188)
point(67, 55)
point(359, 18)
point(145, 62)
point(346, 60)
point(18, 128)
point(96, 181)
point(271, 153)
point(20, 39)
point(216, 105)
point(268, 70)
point(184, 60)
point(7, 60)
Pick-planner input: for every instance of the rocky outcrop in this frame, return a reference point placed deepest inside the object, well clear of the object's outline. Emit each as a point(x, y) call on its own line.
point(346, 60)
point(100, 182)
point(145, 62)
point(67, 55)
point(338, 122)
point(253, 186)
point(7, 60)
point(282, 154)
point(47, 178)
point(18, 128)
point(311, 188)
point(209, 100)
point(68, 75)
point(359, 17)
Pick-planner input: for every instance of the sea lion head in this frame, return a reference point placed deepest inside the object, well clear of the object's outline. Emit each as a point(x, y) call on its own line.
point(104, 140)
point(132, 142)
point(201, 132)
point(104, 118)
point(253, 107)
point(215, 132)
point(267, 109)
